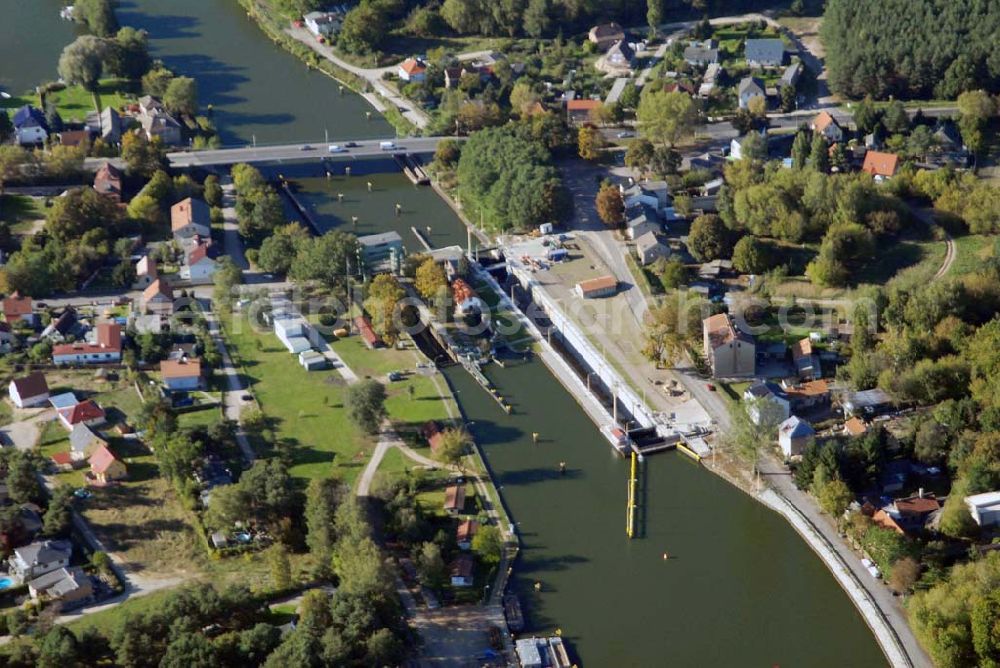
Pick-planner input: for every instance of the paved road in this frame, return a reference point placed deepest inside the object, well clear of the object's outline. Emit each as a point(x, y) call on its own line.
point(302, 151)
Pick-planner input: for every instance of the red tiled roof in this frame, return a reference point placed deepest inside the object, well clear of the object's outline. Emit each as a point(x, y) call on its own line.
point(180, 368)
point(462, 566)
point(432, 433)
point(109, 335)
point(16, 305)
point(197, 254)
point(813, 388)
point(62, 458)
point(855, 426)
point(156, 289)
point(82, 412)
point(101, 460)
point(878, 163)
point(466, 530)
point(582, 105)
point(598, 284)
point(823, 121)
point(188, 211)
point(454, 497)
point(802, 348)
point(412, 66)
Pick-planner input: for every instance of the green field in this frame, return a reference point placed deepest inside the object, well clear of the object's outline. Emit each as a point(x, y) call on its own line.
point(74, 103)
point(20, 212)
point(306, 409)
point(971, 250)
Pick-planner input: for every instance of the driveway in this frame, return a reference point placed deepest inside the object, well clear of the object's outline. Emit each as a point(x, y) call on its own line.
point(24, 434)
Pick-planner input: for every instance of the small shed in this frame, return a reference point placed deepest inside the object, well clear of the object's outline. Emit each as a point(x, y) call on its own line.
point(312, 360)
point(604, 286)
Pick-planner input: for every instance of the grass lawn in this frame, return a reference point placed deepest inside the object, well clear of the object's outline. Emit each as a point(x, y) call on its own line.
point(21, 212)
point(305, 409)
point(203, 418)
point(74, 103)
point(971, 250)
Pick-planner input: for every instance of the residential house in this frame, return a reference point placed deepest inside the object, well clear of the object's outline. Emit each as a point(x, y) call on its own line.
point(189, 218)
point(70, 586)
point(620, 57)
point(412, 69)
point(105, 467)
point(984, 508)
point(791, 75)
point(855, 427)
point(679, 86)
point(793, 436)
point(108, 181)
point(465, 532)
point(750, 88)
point(880, 165)
point(807, 363)
point(908, 515)
point(462, 570)
point(385, 249)
point(452, 77)
point(37, 559)
point(156, 122)
point(606, 35)
point(107, 347)
point(736, 145)
point(17, 308)
point(579, 111)
point(64, 400)
point(649, 248)
point(86, 413)
point(654, 194)
point(65, 325)
point(367, 333)
point(730, 352)
point(145, 272)
point(181, 375)
point(30, 126)
point(808, 396)
point(766, 402)
point(764, 52)
point(83, 441)
point(199, 267)
point(322, 24)
point(826, 125)
point(158, 298)
point(110, 126)
point(642, 220)
point(431, 432)
point(605, 286)
point(73, 138)
point(454, 499)
point(28, 391)
point(709, 80)
point(700, 55)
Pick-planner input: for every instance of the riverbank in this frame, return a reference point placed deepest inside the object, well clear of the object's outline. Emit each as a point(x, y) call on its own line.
point(273, 27)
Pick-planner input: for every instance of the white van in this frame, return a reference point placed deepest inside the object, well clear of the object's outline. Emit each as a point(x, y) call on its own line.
point(387, 146)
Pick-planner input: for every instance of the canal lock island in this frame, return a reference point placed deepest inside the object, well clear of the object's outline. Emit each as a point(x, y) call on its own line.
point(542, 334)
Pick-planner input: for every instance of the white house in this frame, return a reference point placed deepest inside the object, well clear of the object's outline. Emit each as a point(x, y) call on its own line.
point(793, 436)
point(30, 561)
point(198, 267)
point(649, 248)
point(70, 586)
point(412, 69)
point(322, 24)
point(29, 125)
point(984, 508)
point(30, 390)
point(644, 223)
point(730, 351)
point(766, 402)
point(106, 348)
point(750, 88)
point(181, 375)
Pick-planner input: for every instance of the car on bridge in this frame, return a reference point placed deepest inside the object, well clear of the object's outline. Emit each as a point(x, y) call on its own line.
point(337, 148)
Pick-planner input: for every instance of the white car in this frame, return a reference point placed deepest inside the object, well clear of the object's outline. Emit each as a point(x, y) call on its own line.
point(337, 148)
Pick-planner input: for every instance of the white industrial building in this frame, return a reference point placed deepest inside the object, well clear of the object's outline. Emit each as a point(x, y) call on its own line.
point(984, 508)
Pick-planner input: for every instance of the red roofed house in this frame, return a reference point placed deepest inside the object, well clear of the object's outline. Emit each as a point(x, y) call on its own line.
point(826, 125)
point(880, 165)
point(364, 327)
point(17, 308)
point(63, 461)
point(198, 266)
point(145, 272)
point(604, 286)
point(106, 348)
point(855, 427)
point(412, 69)
point(105, 467)
point(466, 299)
point(432, 434)
point(578, 111)
point(158, 298)
point(108, 181)
point(730, 351)
point(454, 499)
point(86, 412)
point(907, 515)
point(30, 390)
point(465, 532)
point(461, 571)
point(190, 217)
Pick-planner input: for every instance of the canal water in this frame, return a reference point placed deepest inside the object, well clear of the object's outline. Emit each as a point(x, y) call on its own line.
point(31, 38)
point(363, 211)
point(257, 89)
point(740, 587)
